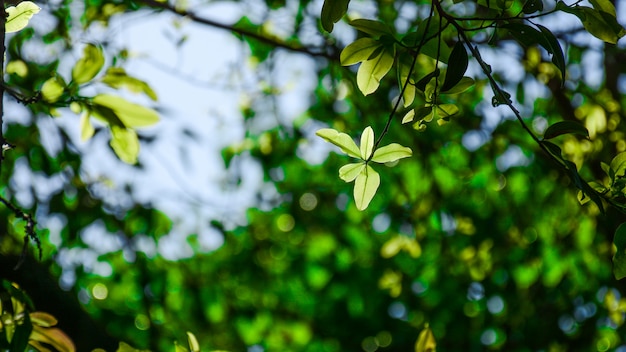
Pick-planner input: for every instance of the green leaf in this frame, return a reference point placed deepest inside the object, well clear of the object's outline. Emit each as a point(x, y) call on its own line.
point(422, 83)
point(604, 6)
point(349, 172)
point(371, 27)
point(457, 66)
point(332, 12)
point(409, 116)
point(464, 84)
point(532, 6)
point(602, 25)
point(426, 341)
point(372, 71)
point(365, 187)
point(404, 68)
point(619, 258)
point(131, 115)
point(565, 127)
point(116, 77)
point(86, 128)
point(552, 45)
point(52, 89)
point(391, 152)
point(446, 110)
point(125, 144)
point(618, 164)
point(194, 346)
point(89, 65)
point(367, 143)
point(341, 140)
point(19, 16)
point(17, 67)
point(21, 334)
point(358, 51)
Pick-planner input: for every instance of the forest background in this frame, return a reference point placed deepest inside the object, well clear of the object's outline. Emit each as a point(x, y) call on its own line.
point(167, 181)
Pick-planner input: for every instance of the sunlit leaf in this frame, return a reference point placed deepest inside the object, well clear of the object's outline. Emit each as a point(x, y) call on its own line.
point(367, 143)
point(365, 187)
point(604, 5)
point(409, 116)
point(332, 12)
point(43, 319)
point(619, 258)
point(89, 64)
point(404, 69)
point(371, 27)
point(132, 115)
point(618, 164)
point(86, 128)
point(359, 50)
point(125, 144)
point(565, 127)
point(391, 152)
point(446, 110)
point(372, 71)
point(601, 24)
point(426, 341)
point(17, 67)
point(116, 77)
point(53, 337)
point(19, 16)
point(464, 84)
point(341, 140)
point(52, 89)
point(194, 346)
point(349, 172)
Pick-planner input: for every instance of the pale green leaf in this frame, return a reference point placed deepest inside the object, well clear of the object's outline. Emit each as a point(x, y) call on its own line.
point(125, 144)
point(89, 65)
point(17, 67)
point(618, 164)
point(116, 77)
point(18, 16)
point(194, 346)
point(365, 187)
point(372, 71)
point(131, 115)
point(86, 128)
point(349, 172)
point(391, 152)
point(367, 143)
point(52, 89)
point(465, 84)
point(404, 68)
point(341, 140)
point(426, 341)
point(447, 110)
point(409, 116)
point(359, 50)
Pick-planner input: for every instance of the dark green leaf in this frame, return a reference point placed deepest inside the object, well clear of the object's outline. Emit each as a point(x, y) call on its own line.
point(371, 27)
point(619, 258)
point(551, 44)
point(532, 6)
point(421, 84)
point(457, 66)
point(332, 12)
point(565, 127)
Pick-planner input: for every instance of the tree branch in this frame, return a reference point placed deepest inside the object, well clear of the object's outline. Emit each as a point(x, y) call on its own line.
point(333, 56)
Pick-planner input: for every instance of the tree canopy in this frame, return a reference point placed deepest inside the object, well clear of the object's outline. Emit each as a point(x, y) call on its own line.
point(456, 180)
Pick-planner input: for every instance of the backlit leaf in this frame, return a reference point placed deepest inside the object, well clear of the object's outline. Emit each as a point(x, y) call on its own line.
point(367, 143)
point(349, 172)
point(426, 341)
point(372, 71)
point(52, 89)
point(19, 16)
point(391, 152)
point(43, 319)
point(619, 258)
point(464, 84)
point(89, 65)
point(359, 50)
point(54, 337)
point(116, 77)
point(194, 346)
point(341, 140)
point(371, 27)
point(600, 24)
point(409, 116)
point(132, 115)
point(86, 128)
point(125, 144)
point(365, 187)
point(618, 164)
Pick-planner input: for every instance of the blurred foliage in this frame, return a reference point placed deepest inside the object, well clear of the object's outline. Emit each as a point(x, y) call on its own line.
point(476, 242)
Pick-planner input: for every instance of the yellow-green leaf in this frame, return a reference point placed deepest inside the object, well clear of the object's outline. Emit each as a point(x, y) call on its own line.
point(131, 115)
point(341, 140)
point(409, 116)
point(89, 65)
point(86, 128)
point(43, 319)
point(124, 347)
point(365, 187)
point(463, 85)
point(359, 50)
point(618, 164)
point(52, 89)
point(426, 341)
point(447, 110)
point(18, 16)
point(194, 346)
point(53, 337)
point(125, 144)
point(372, 71)
point(116, 77)
point(391, 152)
point(367, 143)
point(17, 67)
point(349, 172)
